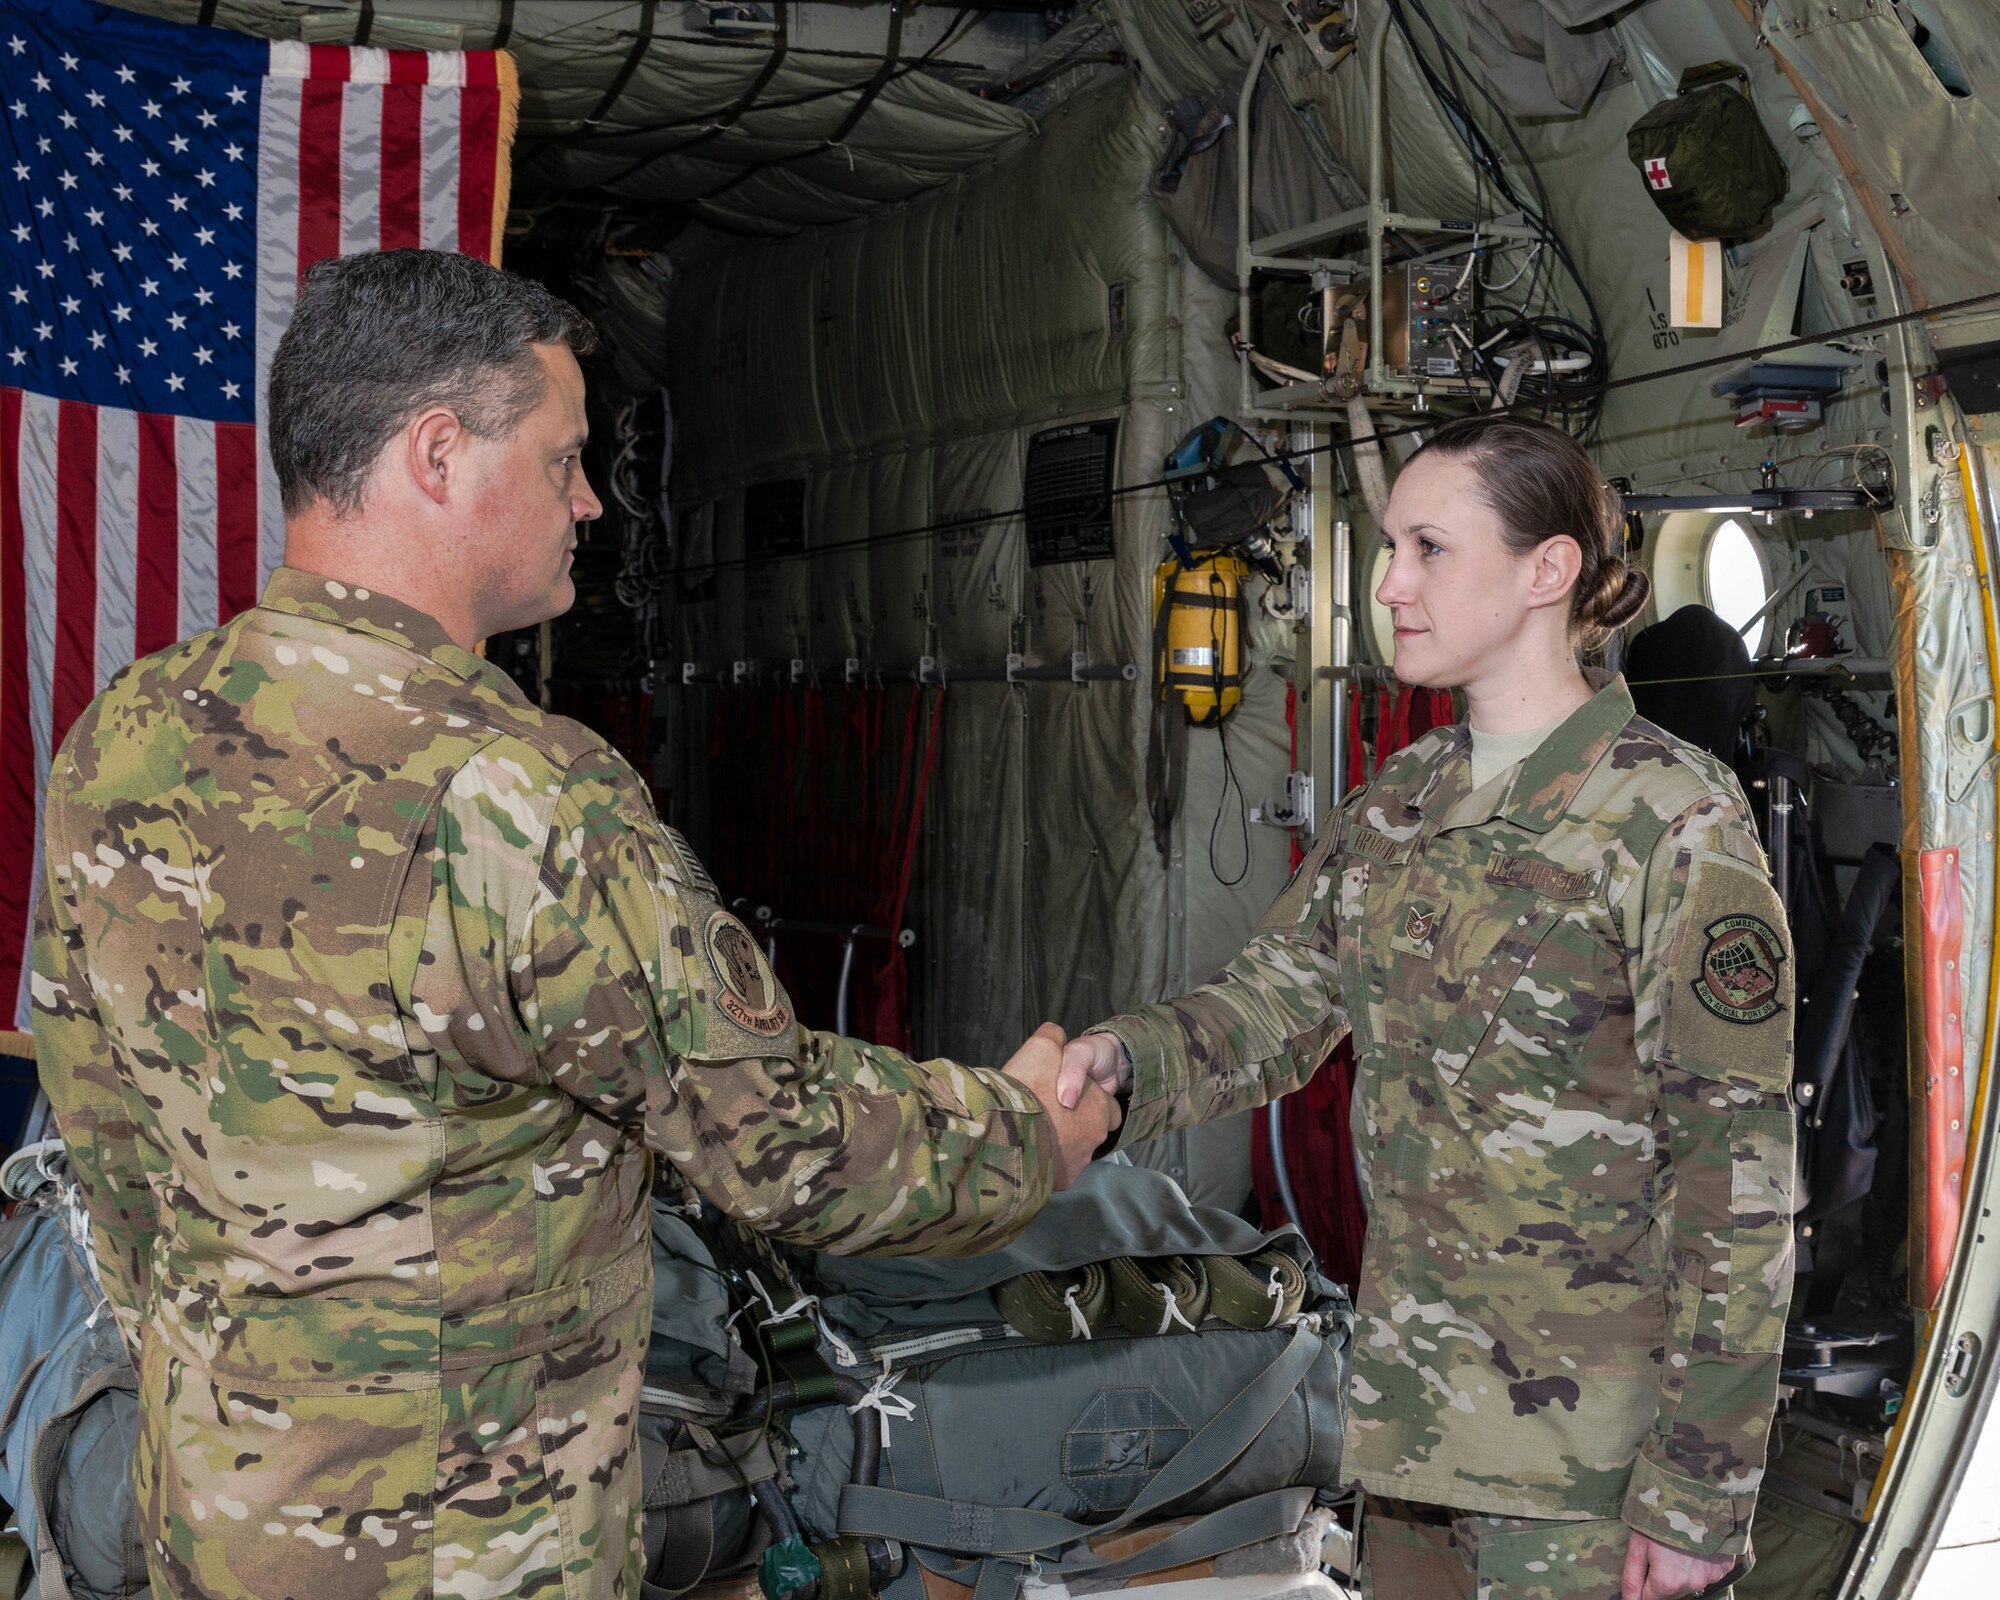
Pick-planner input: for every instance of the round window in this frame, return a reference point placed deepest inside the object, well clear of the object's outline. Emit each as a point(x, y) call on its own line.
point(1734, 581)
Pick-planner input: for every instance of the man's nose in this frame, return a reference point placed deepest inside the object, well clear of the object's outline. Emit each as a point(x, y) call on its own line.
point(584, 506)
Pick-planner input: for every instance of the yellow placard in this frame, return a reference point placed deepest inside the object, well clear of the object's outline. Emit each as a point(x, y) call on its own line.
point(1695, 281)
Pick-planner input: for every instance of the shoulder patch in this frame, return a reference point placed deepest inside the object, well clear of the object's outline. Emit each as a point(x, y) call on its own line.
point(1740, 969)
point(746, 990)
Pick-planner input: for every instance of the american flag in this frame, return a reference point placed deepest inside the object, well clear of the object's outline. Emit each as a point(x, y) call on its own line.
point(162, 188)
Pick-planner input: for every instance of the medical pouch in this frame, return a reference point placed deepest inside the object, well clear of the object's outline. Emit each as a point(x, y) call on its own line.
point(1705, 158)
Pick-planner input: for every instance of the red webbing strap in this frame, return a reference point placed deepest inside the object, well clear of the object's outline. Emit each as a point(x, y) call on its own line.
point(892, 990)
point(810, 878)
point(916, 821)
point(886, 886)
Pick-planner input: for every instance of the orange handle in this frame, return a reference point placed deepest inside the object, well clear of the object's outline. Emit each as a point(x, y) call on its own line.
point(1944, 1064)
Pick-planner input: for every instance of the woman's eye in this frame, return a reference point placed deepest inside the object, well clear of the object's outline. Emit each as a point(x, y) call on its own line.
point(1430, 549)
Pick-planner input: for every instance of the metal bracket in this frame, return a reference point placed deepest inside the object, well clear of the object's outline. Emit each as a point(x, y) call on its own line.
point(1297, 809)
point(690, 671)
point(741, 672)
point(1079, 666)
point(798, 671)
point(850, 670)
point(1015, 661)
point(928, 670)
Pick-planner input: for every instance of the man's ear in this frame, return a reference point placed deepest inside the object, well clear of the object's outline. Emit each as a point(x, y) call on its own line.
point(1557, 562)
point(434, 450)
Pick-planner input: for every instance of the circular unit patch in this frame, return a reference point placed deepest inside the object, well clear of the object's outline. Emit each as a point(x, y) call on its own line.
point(1739, 969)
point(746, 990)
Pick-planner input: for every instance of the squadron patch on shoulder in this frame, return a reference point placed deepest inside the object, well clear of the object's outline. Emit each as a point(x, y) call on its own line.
point(1739, 969)
point(746, 990)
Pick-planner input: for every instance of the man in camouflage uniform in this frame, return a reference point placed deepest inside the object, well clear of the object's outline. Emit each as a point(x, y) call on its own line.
point(1571, 1000)
point(366, 994)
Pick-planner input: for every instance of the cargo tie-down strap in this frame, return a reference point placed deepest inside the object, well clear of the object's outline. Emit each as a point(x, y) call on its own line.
point(1005, 1542)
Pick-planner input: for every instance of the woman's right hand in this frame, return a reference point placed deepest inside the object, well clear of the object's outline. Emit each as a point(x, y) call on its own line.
point(1093, 1057)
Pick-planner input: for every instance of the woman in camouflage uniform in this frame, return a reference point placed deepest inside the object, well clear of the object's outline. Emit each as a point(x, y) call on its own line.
point(1552, 934)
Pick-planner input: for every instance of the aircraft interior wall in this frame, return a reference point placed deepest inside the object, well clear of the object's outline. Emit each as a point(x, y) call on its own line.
point(858, 350)
point(831, 361)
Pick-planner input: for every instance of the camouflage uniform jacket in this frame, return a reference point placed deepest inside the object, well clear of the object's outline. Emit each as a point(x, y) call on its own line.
point(1571, 1001)
point(365, 994)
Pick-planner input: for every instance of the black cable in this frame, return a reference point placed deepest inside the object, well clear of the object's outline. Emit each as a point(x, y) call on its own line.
point(1229, 778)
point(1217, 630)
point(1486, 158)
point(1606, 386)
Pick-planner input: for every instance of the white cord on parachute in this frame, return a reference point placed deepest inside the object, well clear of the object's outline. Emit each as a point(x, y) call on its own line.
point(883, 1400)
point(1079, 1324)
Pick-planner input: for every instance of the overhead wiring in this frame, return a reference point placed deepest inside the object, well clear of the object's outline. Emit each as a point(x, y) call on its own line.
point(1554, 388)
point(695, 572)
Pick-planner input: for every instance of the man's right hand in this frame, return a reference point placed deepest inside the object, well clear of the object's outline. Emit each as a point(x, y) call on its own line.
point(1080, 1126)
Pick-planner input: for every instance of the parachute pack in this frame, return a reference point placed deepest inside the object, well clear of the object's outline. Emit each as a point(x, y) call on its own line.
point(840, 1426)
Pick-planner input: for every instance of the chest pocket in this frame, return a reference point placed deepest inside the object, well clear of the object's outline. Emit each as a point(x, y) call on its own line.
point(1374, 870)
point(1506, 973)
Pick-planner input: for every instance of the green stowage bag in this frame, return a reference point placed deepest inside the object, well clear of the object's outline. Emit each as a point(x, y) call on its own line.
point(1705, 158)
point(1005, 1450)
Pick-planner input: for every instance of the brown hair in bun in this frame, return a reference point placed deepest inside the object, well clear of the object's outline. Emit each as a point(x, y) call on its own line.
point(1539, 482)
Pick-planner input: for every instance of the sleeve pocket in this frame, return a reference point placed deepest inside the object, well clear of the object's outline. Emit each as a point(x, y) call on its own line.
point(1761, 1160)
point(1728, 1007)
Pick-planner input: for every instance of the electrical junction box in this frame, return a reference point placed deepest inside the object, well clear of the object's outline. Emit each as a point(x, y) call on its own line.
point(1422, 303)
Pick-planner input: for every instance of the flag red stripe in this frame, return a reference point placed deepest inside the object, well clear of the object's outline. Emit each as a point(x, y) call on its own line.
point(157, 594)
point(402, 157)
point(319, 167)
point(76, 564)
point(236, 575)
point(478, 153)
point(17, 739)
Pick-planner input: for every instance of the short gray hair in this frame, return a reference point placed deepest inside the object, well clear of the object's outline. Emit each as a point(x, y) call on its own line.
point(378, 337)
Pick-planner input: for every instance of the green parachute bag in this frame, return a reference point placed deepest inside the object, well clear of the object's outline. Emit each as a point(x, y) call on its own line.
point(1705, 158)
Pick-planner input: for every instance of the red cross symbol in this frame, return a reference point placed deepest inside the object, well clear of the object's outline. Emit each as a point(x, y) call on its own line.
point(1656, 174)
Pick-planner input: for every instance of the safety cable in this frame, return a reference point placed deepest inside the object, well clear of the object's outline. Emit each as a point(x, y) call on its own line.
point(1605, 386)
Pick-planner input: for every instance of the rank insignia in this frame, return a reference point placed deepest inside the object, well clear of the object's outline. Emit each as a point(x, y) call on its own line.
point(1416, 931)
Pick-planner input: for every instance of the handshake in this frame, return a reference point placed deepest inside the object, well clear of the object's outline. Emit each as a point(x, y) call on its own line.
point(1078, 1082)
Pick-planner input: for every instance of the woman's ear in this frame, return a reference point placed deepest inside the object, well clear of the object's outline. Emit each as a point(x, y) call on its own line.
point(1557, 562)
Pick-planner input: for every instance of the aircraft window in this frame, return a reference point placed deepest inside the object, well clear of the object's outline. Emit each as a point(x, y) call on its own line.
point(1734, 578)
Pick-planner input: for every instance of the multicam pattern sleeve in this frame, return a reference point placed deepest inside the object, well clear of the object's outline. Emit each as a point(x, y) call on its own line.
point(645, 1000)
point(97, 1126)
point(1712, 979)
point(1277, 1005)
